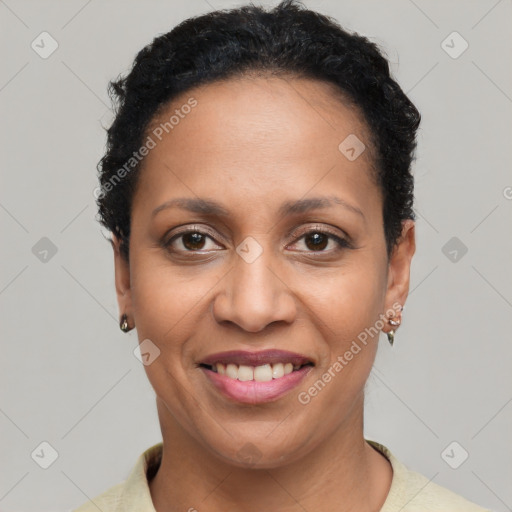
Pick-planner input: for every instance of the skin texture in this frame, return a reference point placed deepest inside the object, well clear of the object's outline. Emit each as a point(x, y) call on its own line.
point(252, 144)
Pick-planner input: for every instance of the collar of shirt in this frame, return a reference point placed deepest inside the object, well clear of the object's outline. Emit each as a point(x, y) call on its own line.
point(136, 497)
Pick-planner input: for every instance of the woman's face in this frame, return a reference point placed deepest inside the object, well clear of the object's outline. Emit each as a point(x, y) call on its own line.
point(285, 253)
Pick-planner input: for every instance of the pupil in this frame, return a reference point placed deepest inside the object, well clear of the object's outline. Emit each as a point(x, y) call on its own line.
point(191, 240)
point(319, 241)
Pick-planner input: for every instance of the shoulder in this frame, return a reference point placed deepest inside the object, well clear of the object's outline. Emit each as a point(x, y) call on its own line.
point(108, 501)
point(133, 494)
point(424, 495)
point(412, 492)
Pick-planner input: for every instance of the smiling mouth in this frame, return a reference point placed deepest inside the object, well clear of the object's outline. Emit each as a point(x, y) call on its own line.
point(262, 373)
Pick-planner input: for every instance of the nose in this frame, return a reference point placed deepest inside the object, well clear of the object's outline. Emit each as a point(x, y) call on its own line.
point(255, 294)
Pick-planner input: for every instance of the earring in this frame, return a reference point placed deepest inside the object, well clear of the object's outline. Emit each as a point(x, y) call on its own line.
point(394, 323)
point(123, 325)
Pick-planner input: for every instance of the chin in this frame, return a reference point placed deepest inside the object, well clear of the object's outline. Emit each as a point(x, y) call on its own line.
point(256, 453)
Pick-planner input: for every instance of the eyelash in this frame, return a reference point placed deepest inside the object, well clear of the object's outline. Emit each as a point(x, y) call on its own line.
point(342, 242)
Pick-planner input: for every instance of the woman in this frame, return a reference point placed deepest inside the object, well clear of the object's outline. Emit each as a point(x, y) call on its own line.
point(257, 184)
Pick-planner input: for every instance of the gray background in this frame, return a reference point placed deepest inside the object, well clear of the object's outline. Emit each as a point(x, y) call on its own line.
point(69, 376)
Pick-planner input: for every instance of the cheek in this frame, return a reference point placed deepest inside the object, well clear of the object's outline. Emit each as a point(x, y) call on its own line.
point(165, 312)
point(345, 307)
point(346, 300)
point(345, 310)
point(165, 300)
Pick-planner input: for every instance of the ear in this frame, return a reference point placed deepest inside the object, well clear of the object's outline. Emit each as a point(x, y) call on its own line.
point(122, 281)
point(400, 266)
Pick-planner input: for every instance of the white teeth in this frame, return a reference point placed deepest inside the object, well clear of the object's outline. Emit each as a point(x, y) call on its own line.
point(232, 371)
point(263, 373)
point(277, 370)
point(245, 373)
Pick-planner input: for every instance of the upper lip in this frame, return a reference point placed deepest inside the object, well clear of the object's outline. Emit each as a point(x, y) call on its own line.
point(241, 357)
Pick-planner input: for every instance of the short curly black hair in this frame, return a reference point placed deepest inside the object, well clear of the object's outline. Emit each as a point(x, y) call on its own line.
point(224, 44)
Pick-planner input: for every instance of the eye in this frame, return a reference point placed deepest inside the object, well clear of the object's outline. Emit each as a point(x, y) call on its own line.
point(194, 240)
point(316, 240)
point(191, 240)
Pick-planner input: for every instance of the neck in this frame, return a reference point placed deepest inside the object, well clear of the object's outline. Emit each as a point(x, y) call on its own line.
point(343, 474)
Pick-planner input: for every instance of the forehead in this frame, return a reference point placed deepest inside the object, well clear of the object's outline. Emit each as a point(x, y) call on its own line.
point(279, 112)
point(257, 133)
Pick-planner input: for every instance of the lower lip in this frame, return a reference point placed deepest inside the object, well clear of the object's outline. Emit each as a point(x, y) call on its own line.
point(253, 392)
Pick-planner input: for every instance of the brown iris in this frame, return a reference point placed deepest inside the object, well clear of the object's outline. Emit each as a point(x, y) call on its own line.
point(319, 241)
point(193, 241)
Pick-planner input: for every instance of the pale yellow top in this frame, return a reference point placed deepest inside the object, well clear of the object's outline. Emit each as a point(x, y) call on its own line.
point(409, 492)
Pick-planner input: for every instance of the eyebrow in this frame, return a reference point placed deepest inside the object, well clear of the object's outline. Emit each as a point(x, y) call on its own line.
point(316, 203)
point(209, 207)
point(195, 205)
